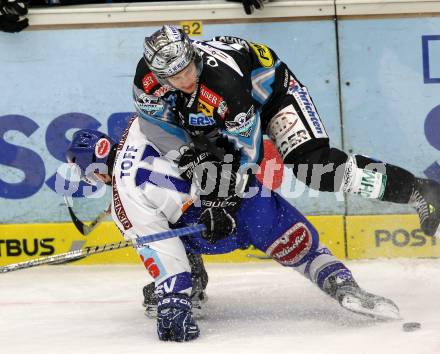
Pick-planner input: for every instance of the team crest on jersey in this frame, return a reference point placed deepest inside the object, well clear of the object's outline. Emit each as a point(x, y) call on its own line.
point(205, 108)
point(148, 82)
point(242, 124)
point(200, 120)
point(150, 104)
point(263, 54)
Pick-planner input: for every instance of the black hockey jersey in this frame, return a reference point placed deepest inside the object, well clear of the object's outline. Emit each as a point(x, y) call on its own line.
point(240, 80)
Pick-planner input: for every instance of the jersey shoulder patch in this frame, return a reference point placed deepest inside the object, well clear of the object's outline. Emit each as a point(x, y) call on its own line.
point(263, 54)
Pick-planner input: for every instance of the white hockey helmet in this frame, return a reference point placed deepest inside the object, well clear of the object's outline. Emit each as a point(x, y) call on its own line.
point(168, 51)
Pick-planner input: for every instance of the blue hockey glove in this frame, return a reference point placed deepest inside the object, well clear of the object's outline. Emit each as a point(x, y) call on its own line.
point(174, 319)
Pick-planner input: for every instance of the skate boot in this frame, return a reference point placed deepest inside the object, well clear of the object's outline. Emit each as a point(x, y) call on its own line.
point(426, 200)
point(199, 278)
point(351, 297)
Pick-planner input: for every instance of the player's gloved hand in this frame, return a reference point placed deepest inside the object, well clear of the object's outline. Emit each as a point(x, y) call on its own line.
point(250, 4)
point(219, 223)
point(174, 319)
point(191, 158)
point(10, 12)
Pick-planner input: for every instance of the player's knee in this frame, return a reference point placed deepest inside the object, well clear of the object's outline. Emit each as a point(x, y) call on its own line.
point(294, 246)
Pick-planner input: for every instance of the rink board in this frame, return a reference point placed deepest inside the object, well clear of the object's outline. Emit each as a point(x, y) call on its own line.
point(24, 241)
point(388, 236)
point(367, 236)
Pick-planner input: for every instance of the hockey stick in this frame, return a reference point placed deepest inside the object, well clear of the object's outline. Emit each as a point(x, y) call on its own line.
point(88, 251)
point(83, 228)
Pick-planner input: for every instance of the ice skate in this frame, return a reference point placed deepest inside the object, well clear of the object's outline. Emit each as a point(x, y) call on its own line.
point(198, 297)
point(351, 297)
point(198, 294)
point(426, 200)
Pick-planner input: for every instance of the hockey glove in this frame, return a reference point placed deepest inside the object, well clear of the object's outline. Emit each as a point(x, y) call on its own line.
point(10, 12)
point(192, 158)
point(218, 221)
point(220, 206)
point(250, 4)
point(174, 319)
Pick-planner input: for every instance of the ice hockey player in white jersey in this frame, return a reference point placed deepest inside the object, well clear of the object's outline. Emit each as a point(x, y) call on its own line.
point(152, 192)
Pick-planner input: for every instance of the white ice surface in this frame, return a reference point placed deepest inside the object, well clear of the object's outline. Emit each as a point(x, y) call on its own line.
point(252, 308)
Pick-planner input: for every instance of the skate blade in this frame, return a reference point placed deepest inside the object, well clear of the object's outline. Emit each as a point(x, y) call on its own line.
point(382, 311)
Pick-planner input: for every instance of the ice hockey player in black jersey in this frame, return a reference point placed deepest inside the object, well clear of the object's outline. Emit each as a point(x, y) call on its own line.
point(232, 91)
point(225, 94)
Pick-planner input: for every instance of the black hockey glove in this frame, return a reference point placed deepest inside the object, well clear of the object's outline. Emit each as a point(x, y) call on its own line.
point(193, 158)
point(220, 205)
point(250, 4)
point(218, 217)
point(10, 12)
point(174, 319)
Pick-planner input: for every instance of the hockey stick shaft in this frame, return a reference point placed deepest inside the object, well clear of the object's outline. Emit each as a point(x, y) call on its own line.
point(88, 251)
point(82, 227)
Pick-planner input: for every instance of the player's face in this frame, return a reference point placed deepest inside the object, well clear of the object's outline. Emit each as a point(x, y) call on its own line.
point(186, 80)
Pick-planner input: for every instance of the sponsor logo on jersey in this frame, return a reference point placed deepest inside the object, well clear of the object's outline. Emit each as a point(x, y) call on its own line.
point(200, 120)
point(242, 123)
point(307, 107)
point(372, 184)
point(293, 86)
point(209, 96)
point(151, 266)
point(162, 90)
point(287, 131)
point(148, 82)
point(286, 78)
point(366, 182)
point(125, 134)
point(205, 108)
point(349, 174)
point(263, 54)
point(102, 148)
point(222, 109)
point(292, 246)
point(119, 209)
